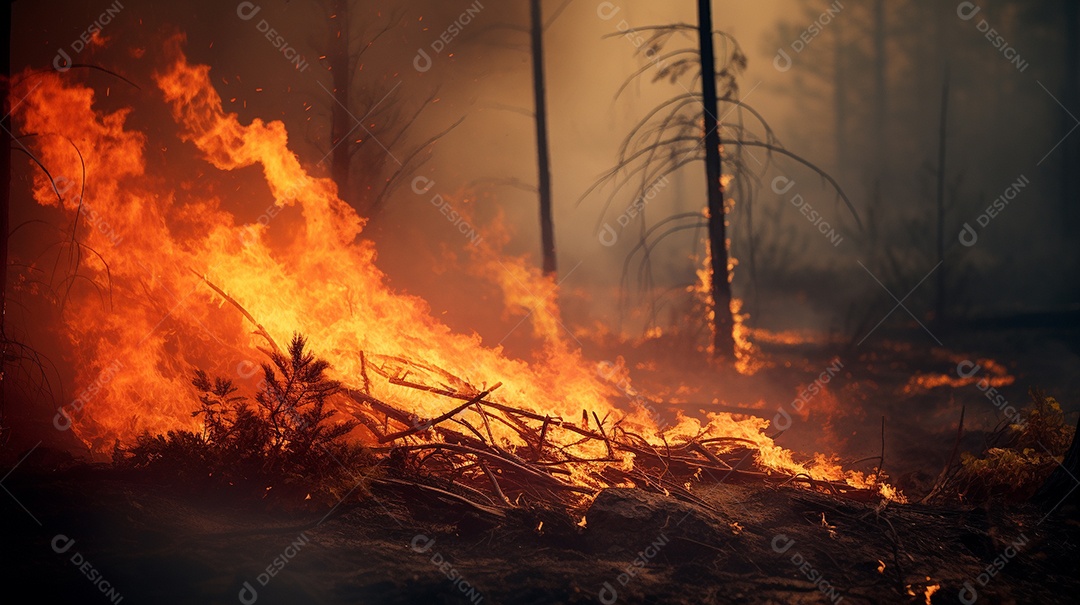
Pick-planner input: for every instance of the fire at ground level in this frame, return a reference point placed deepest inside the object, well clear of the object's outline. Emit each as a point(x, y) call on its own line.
point(140, 538)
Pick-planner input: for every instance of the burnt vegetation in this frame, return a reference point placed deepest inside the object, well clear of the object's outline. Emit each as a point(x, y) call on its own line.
point(1020, 456)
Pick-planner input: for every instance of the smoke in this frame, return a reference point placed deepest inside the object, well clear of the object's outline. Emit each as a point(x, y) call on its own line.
point(431, 64)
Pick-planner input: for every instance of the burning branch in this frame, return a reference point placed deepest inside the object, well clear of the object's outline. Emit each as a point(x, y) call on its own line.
point(259, 329)
point(555, 473)
point(427, 425)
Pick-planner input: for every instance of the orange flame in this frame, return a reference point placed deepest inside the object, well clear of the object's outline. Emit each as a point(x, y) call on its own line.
point(300, 267)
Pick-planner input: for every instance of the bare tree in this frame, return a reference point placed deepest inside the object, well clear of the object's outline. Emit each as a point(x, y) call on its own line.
point(723, 321)
point(670, 136)
point(547, 225)
point(943, 131)
point(881, 67)
point(840, 94)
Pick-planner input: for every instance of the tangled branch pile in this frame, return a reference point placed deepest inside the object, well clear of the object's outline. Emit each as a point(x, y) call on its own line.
point(288, 442)
point(552, 461)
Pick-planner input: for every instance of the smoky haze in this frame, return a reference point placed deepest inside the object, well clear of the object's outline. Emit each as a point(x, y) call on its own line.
point(853, 87)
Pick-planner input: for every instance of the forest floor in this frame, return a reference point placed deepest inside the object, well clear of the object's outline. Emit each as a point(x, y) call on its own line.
point(156, 544)
point(150, 542)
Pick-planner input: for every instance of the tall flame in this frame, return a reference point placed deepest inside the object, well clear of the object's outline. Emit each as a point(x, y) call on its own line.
point(149, 319)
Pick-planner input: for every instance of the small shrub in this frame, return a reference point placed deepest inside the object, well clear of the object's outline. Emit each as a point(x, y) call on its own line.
point(285, 445)
point(1023, 456)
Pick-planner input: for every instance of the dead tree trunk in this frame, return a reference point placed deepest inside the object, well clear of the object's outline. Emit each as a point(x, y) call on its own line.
point(939, 314)
point(840, 96)
point(341, 122)
point(723, 322)
point(547, 225)
point(880, 91)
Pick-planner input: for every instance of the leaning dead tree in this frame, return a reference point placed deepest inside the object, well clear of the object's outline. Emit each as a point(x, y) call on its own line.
point(690, 127)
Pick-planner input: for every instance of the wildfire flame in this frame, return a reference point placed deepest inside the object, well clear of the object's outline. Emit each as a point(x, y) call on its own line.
point(140, 314)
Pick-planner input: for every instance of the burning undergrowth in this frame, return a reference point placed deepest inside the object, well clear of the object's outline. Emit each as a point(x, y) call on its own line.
point(286, 442)
point(179, 280)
